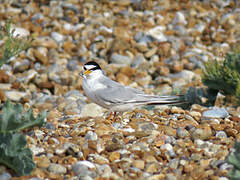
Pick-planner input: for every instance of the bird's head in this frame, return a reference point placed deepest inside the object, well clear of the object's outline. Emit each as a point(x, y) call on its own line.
point(91, 69)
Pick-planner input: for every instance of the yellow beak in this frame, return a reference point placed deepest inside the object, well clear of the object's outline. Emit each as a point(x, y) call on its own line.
point(87, 72)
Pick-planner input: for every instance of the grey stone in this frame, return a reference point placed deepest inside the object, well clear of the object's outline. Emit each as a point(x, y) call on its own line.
point(92, 110)
point(157, 33)
point(179, 19)
point(5, 176)
point(15, 95)
point(20, 66)
point(221, 134)
point(181, 133)
point(215, 112)
point(82, 169)
point(120, 59)
point(92, 136)
point(138, 60)
point(57, 168)
point(57, 37)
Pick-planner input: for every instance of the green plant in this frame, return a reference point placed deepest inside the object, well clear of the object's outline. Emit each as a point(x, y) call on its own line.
point(13, 151)
point(14, 154)
point(14, 119)
point(13, 44)
point(234, 159)
point(224, 76)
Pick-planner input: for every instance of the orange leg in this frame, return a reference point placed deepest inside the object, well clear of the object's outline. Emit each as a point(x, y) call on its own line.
point(110, 115)
point(114, 116)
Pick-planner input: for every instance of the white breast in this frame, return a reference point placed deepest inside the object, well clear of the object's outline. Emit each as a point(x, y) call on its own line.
point(89, 87)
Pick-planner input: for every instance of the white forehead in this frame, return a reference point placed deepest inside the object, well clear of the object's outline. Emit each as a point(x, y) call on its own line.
point(89, 66)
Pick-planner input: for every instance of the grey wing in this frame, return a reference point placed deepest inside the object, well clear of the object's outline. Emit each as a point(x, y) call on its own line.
point(117, 93)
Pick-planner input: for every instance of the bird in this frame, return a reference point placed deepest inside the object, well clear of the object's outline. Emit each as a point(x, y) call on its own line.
point(116, 97)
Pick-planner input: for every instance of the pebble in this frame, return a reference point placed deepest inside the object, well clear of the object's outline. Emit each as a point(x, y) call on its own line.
point(15, 95)
point(19, 32)
point(179, 19)
point(120, 59)
point(215, 112)
point(170, 176)
point(83, 168)
point(201, 133)
point(5, 176)
point(92, 110)
point(37, 150)
point(181, 133)
point(221, 134)
point(157, 33)
point(57, 168)
point(20, 66)
point(57, 37)
point(91, 136)
point(185, 75)
point(137, 61)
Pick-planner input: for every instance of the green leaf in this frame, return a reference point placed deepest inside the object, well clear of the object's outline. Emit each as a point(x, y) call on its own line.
point(235, 175)
point(13, 118)
point(14, 154)
point(233, 159)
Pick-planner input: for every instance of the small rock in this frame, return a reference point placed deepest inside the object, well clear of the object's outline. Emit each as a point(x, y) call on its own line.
point(4, 86)
point(151, 52)
point(114, 156)
point(37, 150)
point(57, 37)
point(173, 163)
point(19, 32)
point(41, 54)
point(5, 176)
point(83, 168)
point(169, 149)
point(27, 76)
point(142, 46)
point(140, 164)
point(72, 65)
point(15, 95)
point(91, 136)
point(221, 134)
point(215, 112)
point(231, 132)
point(152, 168)
point(92, 110)
point(179, 19)
point(147, 126)
point(57, 168)
point(98, 159)
point(226, 166)
point(42, 161)
point(3, 77)
point(137, 61)
point(202, 133)
point(120, 59)
point(182, 133)
point(157, 33)
point(104, 171)
point(20, 66)
point(223, 178)
point(170, 176)
point(186, 75)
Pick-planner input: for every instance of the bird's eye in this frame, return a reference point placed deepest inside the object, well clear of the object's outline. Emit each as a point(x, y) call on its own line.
point(84, 68)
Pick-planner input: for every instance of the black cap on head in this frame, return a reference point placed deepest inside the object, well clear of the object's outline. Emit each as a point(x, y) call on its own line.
point(91, 65)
